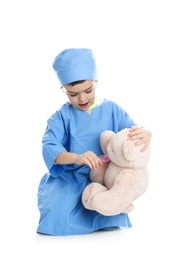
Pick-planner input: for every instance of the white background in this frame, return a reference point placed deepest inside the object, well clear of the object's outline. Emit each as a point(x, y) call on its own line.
point(138, 45)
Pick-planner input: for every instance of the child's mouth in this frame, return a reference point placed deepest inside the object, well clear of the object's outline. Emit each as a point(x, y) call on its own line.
point(84, 106)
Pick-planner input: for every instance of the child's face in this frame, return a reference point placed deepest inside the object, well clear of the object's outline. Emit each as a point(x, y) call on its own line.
point(81, 95)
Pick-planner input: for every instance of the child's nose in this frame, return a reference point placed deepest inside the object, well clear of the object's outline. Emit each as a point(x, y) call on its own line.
point(81, 96)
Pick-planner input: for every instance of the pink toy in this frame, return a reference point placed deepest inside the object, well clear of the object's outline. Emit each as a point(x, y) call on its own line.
point(104, 158)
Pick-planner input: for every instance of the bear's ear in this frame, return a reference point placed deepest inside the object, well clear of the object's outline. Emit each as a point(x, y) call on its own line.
point(129, 150)
point(105, 138)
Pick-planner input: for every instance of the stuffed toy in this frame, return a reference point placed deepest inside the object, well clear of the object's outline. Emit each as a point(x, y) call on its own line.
point(121, 179)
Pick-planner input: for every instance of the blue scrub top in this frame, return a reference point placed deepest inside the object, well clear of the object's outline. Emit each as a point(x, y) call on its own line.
point(60, 189)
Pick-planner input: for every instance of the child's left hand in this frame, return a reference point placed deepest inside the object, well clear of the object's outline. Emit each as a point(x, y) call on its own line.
point(142, 135)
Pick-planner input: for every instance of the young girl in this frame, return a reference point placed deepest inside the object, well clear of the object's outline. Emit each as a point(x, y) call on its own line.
point(71, 148)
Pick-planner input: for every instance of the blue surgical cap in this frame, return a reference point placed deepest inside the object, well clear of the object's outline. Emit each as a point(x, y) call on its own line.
point(75, 64)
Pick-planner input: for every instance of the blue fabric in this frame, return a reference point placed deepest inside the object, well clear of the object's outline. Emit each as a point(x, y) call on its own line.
point(60, 190)
point(75, 64)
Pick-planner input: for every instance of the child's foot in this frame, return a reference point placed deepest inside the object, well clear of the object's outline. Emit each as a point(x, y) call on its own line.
point(110, 228)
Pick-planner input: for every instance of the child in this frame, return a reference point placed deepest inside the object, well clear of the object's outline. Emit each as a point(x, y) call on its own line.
point(71, 148)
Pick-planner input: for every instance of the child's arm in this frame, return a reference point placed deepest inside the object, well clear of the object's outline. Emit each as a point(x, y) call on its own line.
point(89, 158)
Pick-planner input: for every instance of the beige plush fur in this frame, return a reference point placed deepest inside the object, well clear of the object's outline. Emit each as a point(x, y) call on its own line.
point(117, 183)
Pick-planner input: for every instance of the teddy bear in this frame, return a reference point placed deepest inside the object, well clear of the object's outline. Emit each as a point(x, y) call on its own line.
point(122, 178)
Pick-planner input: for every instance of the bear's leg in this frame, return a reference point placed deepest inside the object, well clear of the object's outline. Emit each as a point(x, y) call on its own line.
point(129, 208)
point(120, 196)
point(89, 192)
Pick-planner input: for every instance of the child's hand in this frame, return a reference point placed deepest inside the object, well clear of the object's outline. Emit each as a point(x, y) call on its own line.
point(142, 135)
point(89, 158)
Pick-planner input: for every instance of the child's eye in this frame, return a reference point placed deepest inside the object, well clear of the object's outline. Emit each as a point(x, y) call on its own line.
point(88, 91)
point(73, 95)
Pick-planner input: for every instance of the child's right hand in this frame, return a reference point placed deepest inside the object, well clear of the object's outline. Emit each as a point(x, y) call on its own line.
point(89, 158)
